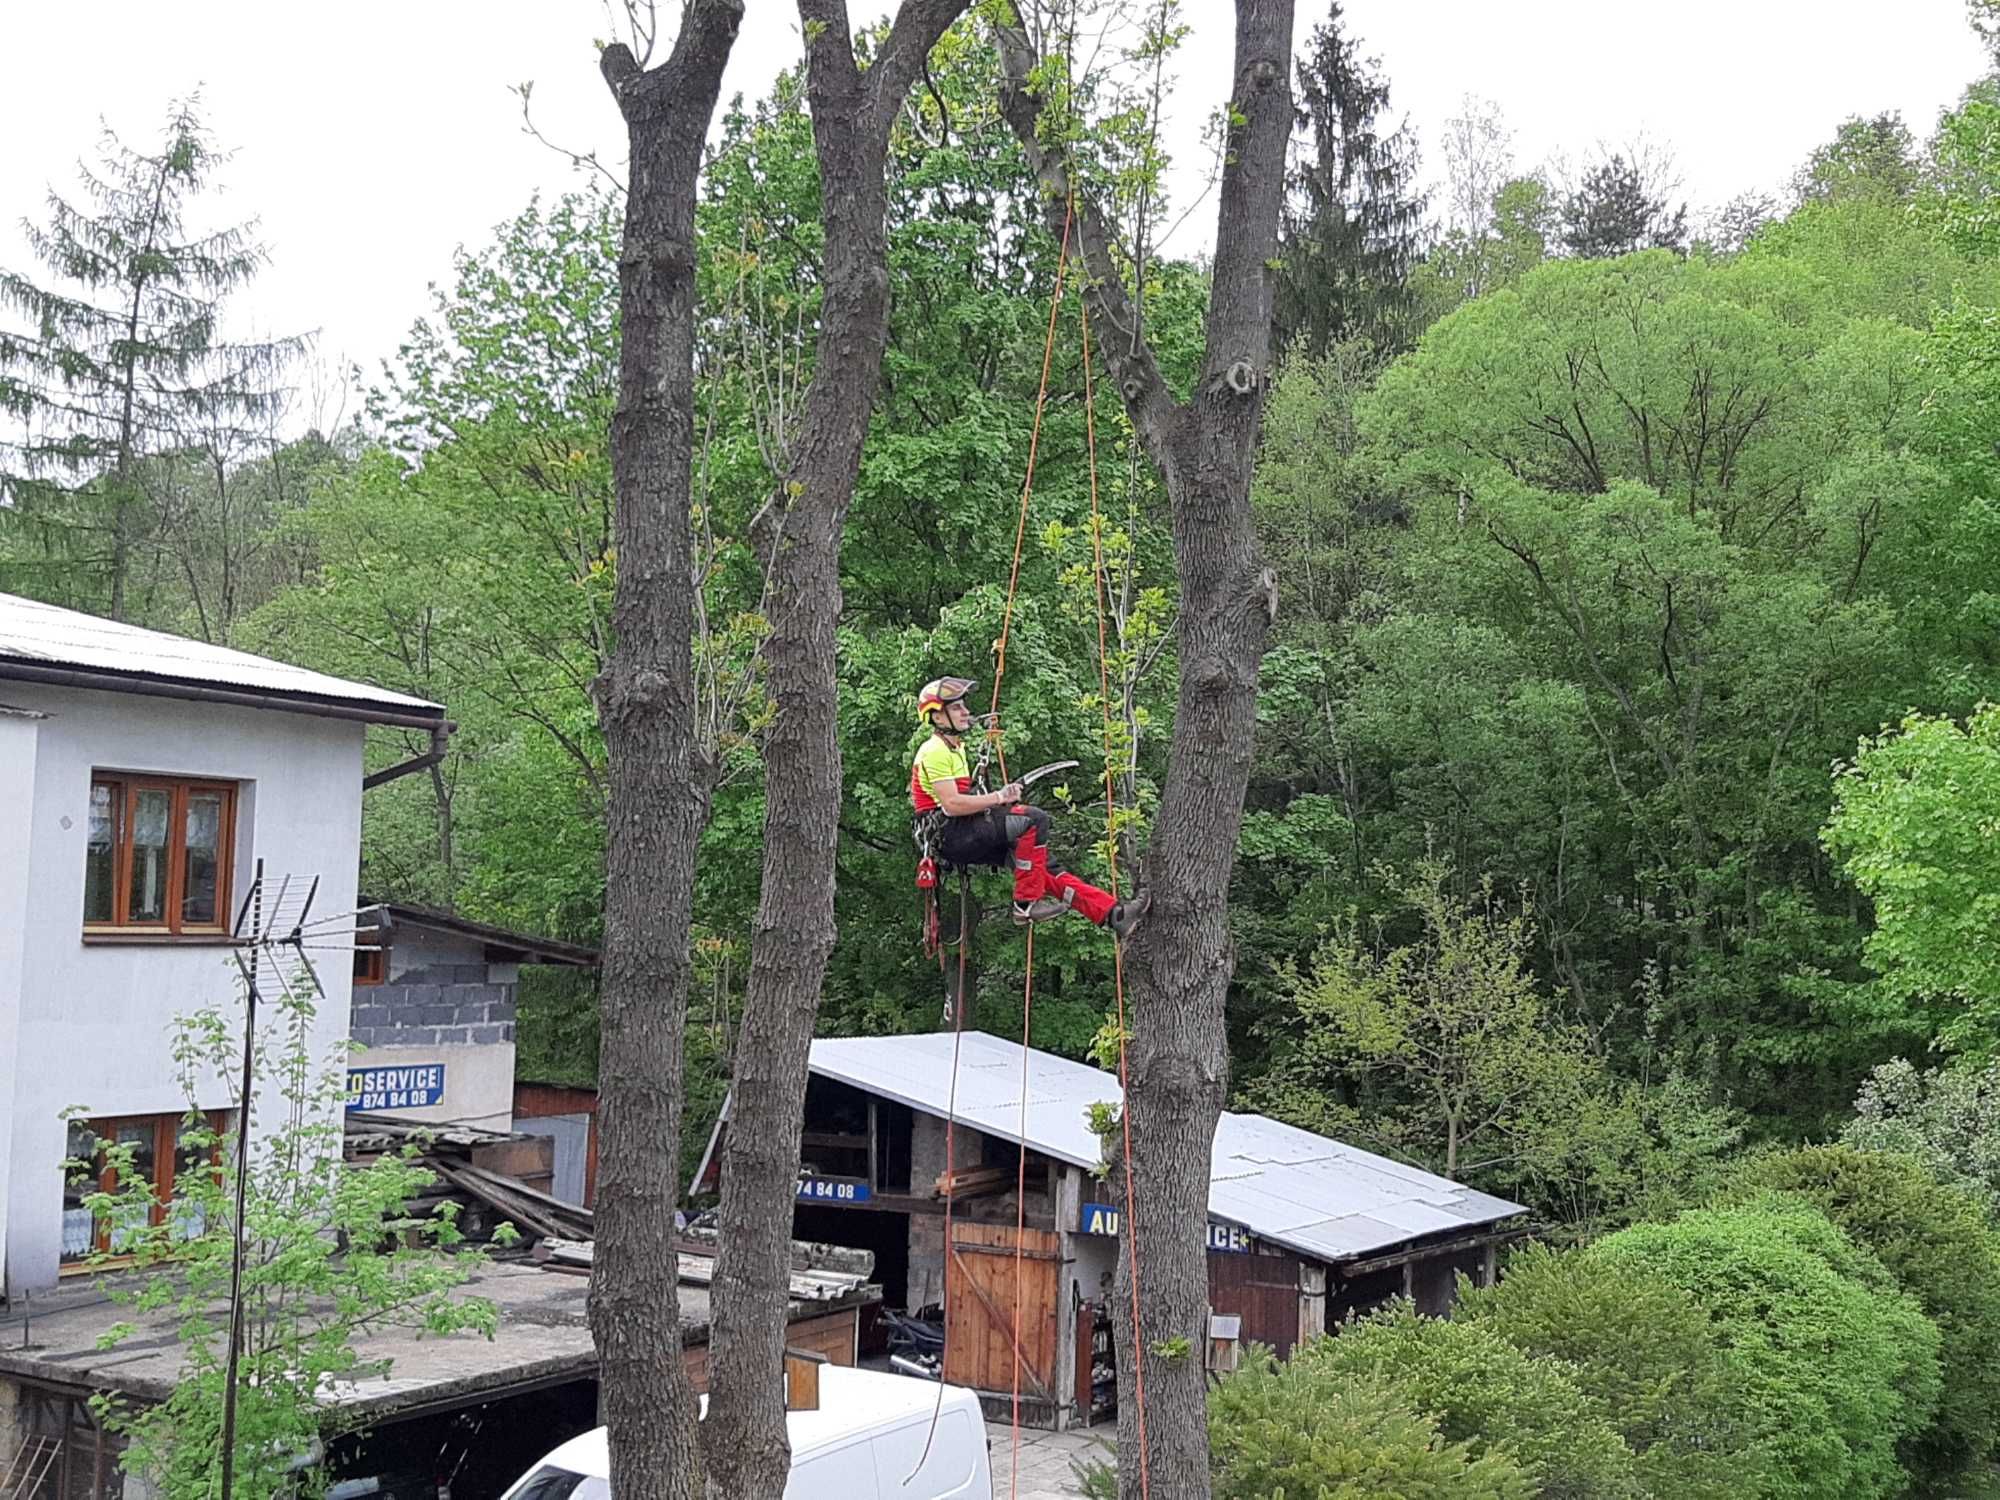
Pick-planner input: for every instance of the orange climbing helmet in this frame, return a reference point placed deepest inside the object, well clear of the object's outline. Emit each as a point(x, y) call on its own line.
point(940, 692)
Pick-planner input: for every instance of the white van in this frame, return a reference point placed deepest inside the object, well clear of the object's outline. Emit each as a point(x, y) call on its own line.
point(866, 1442)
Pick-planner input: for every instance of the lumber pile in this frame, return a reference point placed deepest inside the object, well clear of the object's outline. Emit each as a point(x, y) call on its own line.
point(974, 1182)
point(697, 1267)
point(493, 1177)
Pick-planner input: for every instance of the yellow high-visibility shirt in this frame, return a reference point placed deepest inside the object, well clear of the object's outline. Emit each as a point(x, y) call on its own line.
point(937, 764)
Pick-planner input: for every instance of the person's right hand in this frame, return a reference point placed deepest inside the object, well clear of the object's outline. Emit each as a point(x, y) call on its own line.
point(1011, 793)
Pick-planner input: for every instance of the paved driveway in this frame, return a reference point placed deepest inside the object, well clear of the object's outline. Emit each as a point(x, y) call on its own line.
point(1046, 1457)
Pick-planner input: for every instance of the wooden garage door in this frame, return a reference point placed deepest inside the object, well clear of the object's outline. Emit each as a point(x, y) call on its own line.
point(1263, 1290)
point(981, 1294)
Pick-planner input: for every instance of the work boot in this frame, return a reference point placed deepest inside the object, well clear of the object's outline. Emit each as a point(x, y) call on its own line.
point(1127, 915)
point(1045, 909)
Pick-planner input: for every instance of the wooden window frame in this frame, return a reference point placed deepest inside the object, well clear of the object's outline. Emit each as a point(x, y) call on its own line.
point(371, 959)
point(126, 790)
point(166, 1158)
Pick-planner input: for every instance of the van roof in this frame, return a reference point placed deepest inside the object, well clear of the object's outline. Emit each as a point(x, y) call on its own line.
point(851, 1402)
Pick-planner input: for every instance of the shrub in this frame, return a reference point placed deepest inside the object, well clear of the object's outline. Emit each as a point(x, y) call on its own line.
point(1937, 1243)
point(1675, 1395)
point(1486, 1393)
point(1303, 1431)
point(1837, 1365)
point(1949, 1118)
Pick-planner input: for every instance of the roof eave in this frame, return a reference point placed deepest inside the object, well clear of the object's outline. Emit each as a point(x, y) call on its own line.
point(533, 949)
point(149, 684)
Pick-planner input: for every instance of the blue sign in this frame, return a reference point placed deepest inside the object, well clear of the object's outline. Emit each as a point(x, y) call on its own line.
point(1224, 1239)
point(1098, 1218)
point(410, 1087)
point(833, 1190)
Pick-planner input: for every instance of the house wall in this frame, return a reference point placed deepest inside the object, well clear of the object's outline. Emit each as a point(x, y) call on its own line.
point(19, 736)
point(442, 1002)
point(95, 1019)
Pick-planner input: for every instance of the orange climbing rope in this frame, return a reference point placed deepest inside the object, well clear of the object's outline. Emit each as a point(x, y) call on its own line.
point(1027, 493)
point(1000, 752)
point(993, 732)
point(1118, 946)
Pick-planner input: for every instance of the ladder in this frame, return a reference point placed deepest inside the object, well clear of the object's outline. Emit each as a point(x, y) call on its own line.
point(23, 1477)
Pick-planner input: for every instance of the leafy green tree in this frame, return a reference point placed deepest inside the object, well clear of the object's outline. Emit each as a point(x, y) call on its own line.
point(1938, 1244)
point(1564, 468)
point(119, 361)
point(1351, 228)
point(1948, 1118)
point(1676, 1395)
point(1449, 1050)
point(330, 1254)
point(1874, 158)
point(1453, 1024)
point(1488, 1394)
point(1301, 1428)
point(1912, 823)
point(1838, 1366)
point(1521, 231)
point(1966, 171)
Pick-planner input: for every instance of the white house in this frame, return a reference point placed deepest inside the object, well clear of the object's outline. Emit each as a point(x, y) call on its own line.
point(144, 776)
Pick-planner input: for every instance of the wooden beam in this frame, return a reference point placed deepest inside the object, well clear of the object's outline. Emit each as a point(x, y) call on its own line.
point(834, 1140)
point(1352, 1268)
point(873, 1174)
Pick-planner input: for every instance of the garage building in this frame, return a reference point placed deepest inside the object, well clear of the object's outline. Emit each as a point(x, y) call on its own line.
point(1302, 1229)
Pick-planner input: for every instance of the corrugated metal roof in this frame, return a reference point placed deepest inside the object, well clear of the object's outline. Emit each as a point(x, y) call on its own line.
point(43, 635)
point(1317, 1196)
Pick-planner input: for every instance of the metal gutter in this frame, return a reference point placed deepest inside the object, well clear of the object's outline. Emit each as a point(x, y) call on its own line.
point(440, 739)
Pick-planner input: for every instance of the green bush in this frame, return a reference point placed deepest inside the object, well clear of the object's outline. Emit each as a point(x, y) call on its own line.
point(1837, 1366)
point(1936, 1242)
point(1486, 1393)
point(1303, 1431)
point(1674, 1395)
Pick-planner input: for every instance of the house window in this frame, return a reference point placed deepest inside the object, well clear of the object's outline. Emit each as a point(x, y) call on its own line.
point(371, 959)
point(162, 1150)
point(158, 854)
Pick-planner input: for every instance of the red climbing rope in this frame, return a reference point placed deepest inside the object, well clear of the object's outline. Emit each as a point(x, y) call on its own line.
point(1118, 946)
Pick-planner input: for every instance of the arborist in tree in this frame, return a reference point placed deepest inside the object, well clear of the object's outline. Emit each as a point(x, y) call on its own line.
point(967, 828)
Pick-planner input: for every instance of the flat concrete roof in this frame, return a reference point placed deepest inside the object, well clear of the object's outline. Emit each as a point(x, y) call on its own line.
point(543, 1339)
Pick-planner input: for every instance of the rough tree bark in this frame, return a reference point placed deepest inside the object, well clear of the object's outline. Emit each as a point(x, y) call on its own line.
point(798, 537)
point(1181, 959)
point(660, 781)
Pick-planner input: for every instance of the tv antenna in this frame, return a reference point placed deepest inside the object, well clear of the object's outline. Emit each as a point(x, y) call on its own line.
point(275, 926)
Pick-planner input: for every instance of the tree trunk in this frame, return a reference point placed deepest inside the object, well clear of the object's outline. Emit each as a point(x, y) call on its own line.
point(659, 781)
point(798, 536)
point(1181, 959)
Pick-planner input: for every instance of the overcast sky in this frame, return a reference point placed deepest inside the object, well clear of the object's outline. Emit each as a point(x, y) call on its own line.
point(372, 139)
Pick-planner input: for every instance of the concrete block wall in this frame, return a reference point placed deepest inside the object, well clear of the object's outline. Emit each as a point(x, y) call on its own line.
point(438, 1004)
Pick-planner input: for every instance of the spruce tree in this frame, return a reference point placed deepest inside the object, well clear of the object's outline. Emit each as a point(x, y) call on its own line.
point(113, 359)
point(1353, 216)
point(1613, 212)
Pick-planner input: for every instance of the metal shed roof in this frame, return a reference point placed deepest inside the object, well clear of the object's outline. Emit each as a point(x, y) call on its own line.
point(41, 642)
point(1316, 1196)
